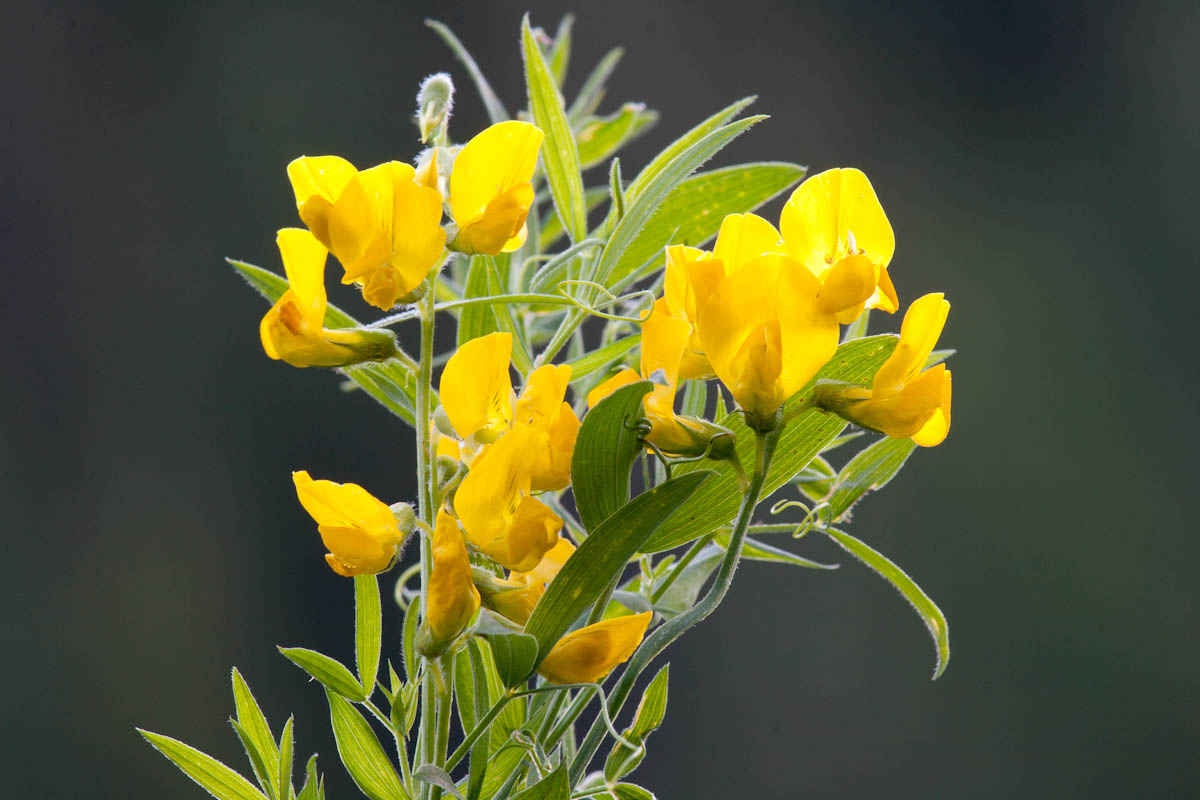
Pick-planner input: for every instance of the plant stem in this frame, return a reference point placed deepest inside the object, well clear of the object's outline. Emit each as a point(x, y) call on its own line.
point(445, 698)
point(425, 753)
point(674, 628)
point(480, 728)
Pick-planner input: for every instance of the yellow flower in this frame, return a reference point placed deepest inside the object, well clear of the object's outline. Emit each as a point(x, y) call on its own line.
point(452, 598)
point(590, 653)
point(476, 387)
point(833, 225)
point(491, 189)
point(518, 602)
point(495, 507)
point(360, 531)
point(293, 330)
point(903, 400)
point(385, 229)
point(317, 181)
point(765, 332)
point(542, 407)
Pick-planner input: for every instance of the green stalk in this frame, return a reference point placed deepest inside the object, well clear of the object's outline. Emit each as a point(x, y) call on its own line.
point(425, 753)
point(674, 628)
point(445, 699)
point(480, 728)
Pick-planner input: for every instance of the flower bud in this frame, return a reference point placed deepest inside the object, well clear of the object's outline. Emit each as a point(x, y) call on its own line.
point(435, 100)
point(452, 599)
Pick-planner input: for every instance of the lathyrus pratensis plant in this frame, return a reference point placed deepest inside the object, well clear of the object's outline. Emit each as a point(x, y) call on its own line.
point(537, 573)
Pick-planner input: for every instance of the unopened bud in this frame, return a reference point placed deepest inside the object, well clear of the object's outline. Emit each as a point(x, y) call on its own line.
point(406, 519)
point(435, 101)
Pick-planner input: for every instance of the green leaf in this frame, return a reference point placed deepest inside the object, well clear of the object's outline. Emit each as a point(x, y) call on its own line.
point(938, 356)
point(480, 751)
point(436, 776)
point(560, 52)
point(592, 90)
point(651, 710)
point(600, 137)
point(560, 154)
point(495, 109)
point(605, 449)
point(602, 556)
point(631, 791)
point(502, 771)
point(361, 752)
point(868, 471)
point(257, 735)
point(264, 774)
point(285, 761)
point(213, 776)
point(601, 357)
point(391, 383)
point(760, 551)
point(403, 710)
point(716, 502)
point(692, 213)
point(682, 593)
point(312, 789)
point(329, 672)
point(368, 630)
point(476, 320)
point(930, 614)
point(641, 206)
point(816, 480)
point(412, 621)
point(553, 787)
point(515, 654)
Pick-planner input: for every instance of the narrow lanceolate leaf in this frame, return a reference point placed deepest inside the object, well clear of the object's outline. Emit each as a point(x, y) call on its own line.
point(476, 320)
point(213, 776)
point(553, 787)
point(601, 137)
point(605, 449)
point(391, 383)
point(754, 550)
point(930, 614)
point(640, 207)
point(436, 776)
point(286, 745)
point(692, 213)
point(602, 556)
point(412, 620)
point(330, 673)
point(651, 710)
point(515, 655)
point(495, 109)
point(716, 502)
point(560, 52)
point(257, 734)
point(559, 151)
point(592, 90)
point(368, 630)
point(481, 750)
point(631, 791)
point(361, 752)
point(598, 359)
point(660, 161)
point(868, 471)
point(312, 782)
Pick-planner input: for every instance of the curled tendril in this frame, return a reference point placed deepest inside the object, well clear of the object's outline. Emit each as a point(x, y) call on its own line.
point(811, 515)
point(608, 723)
point(401, 598)
point(612, 299)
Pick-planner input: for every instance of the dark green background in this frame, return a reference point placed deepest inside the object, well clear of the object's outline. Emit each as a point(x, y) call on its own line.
point(1038, 165)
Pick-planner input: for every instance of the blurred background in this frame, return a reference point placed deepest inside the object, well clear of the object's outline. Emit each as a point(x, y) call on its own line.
point(1038, 165)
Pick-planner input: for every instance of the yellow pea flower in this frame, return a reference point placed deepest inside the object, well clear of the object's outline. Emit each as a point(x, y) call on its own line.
point(491, 190)
point(903, 400)
point(541, 406)
point(361, 532)
point(476, 387)
point(452, 598)
point(834, 225)
point(494, 505)
point(518, 602)
point(293, 330)
point(317, 181)
point(385, 229)
point(765, 332)
point(590, 653)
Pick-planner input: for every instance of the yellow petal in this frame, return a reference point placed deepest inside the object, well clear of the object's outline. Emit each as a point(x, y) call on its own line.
point(934, 431)
point(849, 285)
point(676, 286)
point(590, 653)
point(833, 215)
point(552, 562)
point(531, 534)
point(744, 237)
point(552, 466)
point(517, 604)
point(501, 227)
point(542, 395)
point(317, 182)
point(359, 530)
point(923, 323)
point(476, 388)
point(495, 161)
point(452, 598)
point(765, 320)
point(622, 378)
point(304, 264)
